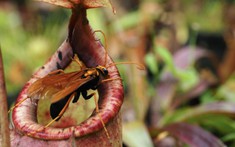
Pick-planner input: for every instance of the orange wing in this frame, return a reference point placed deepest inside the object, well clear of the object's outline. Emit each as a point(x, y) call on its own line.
point(56, 84)
point(69, 89)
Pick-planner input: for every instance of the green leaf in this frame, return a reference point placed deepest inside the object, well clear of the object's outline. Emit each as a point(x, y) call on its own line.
point(207, 97)
point(167, 58)
point(151, 62)
point(216, 108)
point(222, 124)
point(129, 20)
point(176, 116)
point(229, 137)
point(135, 134)
point(227, 90)
point(188, 78)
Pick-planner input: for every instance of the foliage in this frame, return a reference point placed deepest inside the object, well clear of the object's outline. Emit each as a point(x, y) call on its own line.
point(36, 44)
point(180, 103)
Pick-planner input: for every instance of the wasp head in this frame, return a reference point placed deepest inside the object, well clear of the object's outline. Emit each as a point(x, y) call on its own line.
point(103, 70)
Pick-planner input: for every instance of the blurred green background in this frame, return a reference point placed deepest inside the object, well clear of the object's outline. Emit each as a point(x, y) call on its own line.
point(188, 47)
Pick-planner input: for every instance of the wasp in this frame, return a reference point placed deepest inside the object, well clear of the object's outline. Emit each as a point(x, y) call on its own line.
point(66, 87)
point(62, 88)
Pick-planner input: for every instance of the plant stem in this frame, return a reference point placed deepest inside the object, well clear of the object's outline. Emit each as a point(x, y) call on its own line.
point(3, 108)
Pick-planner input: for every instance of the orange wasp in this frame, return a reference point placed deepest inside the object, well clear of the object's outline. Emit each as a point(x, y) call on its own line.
point(64, 87)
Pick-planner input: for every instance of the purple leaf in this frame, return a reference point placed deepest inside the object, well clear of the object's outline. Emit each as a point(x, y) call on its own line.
point(193, 135)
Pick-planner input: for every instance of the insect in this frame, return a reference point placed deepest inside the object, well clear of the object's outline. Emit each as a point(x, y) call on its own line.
point(62, 88)
point(66, 87)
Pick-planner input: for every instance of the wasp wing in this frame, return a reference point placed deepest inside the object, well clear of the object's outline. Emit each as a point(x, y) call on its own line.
point(69, 89)
point(60, 100)
point(51, 84)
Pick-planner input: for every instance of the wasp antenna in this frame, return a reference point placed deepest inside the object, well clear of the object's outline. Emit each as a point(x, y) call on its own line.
point(139, 66)
point(52, 121)
point(99, 31)
point(97, 111)
point(105, 45)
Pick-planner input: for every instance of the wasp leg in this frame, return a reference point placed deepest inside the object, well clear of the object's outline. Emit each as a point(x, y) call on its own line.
point(36, 77)
point(76, 97)
point(55, 72)
point(76, 59)
point(95, 87)
point(85, 96)
point(17, 104)
point(62, 111)
point(97, 111)
point(111, 79)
